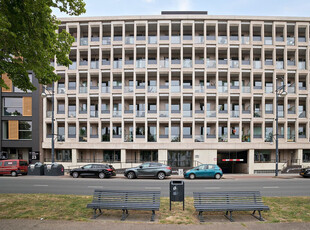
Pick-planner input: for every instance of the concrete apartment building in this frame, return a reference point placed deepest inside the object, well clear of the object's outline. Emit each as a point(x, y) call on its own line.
point(182, 89)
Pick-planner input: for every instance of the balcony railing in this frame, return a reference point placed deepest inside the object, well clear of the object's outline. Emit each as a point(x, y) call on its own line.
point(268, 40)
point(83, 63)
point(164, 63)
point(71, 114)
point(279, 65)
point(175, 39)
point(128, 62)
point(128, 138)
point(117, 64)
point(222, 138)
point(83, 89)
point(302, 65)
point(211, 135)
point(199, 89)
point(129, 40)
point(140, 63)
point(152, 89)
point(106, 40)
point(234, 64)
point(257, 64)
point(291, 89)
point(175, 89)
point(84, 41)
point(268, 89)
point(222, 89)
point(199, 39)
point(93, 113)
point(210, 37)
point(117, 113)
point(246, 62)
point(245, 40)
point(128, 89)
point(246, 138)
point(151, 138)
point(187, 37)
point(234, 113)
point(302, 114)
point(105, 89)
point(94, 64)
point(140, 113)
point(222, 39)
point(152, 39)
point(211, 63)
point(164, 113)
point(175, 138)
point(72, 66)
point(257, 113)
point(117, 38)
point(105, 137)
point(246, 89)
point(290, 41)
point(290, 137)
point(187, 113)
point(187, 63)
point(106, 62)
point(211, 113)
point(199, 138)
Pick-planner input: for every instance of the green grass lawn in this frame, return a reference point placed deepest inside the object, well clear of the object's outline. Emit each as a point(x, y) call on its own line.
point(72, 207)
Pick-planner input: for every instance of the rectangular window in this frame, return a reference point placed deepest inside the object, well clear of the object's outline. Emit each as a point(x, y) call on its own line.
point(25, 130)
point(12, 106)
point(262, 156)
point(63, 155)
point(5, 130)
point(111, 155)
point(71, 131)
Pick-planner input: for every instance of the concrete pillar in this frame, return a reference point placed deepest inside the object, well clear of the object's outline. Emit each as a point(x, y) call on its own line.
point(205, 156)
point(74, 157)
point(251, 161)
point(123, 155)
point(299, 156)
point(162, 156)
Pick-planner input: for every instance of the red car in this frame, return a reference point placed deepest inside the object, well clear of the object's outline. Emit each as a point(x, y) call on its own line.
point(13, 167)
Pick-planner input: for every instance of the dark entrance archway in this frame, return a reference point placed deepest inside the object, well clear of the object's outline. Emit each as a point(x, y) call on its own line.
point(232, 161)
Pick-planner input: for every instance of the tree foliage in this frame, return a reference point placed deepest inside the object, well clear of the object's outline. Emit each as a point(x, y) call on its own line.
point(29, 41)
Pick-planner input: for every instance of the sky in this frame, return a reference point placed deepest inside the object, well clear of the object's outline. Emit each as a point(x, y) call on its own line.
point(214, 7)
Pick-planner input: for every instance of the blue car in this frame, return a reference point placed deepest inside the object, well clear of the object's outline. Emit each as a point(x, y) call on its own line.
point(204, 171)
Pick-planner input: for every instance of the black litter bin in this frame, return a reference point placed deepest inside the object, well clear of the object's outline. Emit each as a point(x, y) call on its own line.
point(36, 169)
point(177, 191)
point(54, 170)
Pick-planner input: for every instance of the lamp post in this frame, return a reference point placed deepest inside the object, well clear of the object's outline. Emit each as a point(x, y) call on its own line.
point(280, 91)
point(44, 95)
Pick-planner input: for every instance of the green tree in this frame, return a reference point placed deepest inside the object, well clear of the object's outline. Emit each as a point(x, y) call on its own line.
point(28, 39)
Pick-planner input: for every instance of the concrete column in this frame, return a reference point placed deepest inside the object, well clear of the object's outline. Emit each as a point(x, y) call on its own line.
point(74, 157)
point(205, 156)
point(162, 155)
point(251, 161)
point(299, 156)
point(123, 155)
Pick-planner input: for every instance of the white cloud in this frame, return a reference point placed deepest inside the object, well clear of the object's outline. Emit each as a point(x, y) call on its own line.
point(148, 1)
point(184, 5)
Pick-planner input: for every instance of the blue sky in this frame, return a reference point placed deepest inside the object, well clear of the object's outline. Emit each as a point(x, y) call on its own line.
point(214, 7)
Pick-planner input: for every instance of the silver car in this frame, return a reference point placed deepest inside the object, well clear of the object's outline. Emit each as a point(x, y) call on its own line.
point(149, 169)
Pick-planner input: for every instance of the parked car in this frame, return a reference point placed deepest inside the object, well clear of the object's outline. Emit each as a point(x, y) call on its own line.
point(97, 170)
point(13, 167)
point(204, 171)
point(305, 172)
point(149, 169)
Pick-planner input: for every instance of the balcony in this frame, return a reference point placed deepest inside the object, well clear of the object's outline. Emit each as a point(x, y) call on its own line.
point(175, 39)
point(151, 138)
point(187, 113)
point(210, 37)
point(94, 64)
point(117, 38)
point(83, 63)
point(140, 113)
point(199, 62)
point(234, 64)
point(117, 64)
point(187, 37)
point(246, 138)
point(83, 89)
point(199, 89)
point(105, 137)
point(199, 40)
point(105, 89)
point(152, 89)
point(290, 137)
point(279, 65)
point(245, 40)
point(175, 89)
point(105, 111)
point(222, 89)
point(129, 40)
point(291, 89)
point(72, 66)
point(175, 62)
point(164, 63)
point(268, 40)
point(302, 114)
point(223, 138)
point(290, 41)
point(93, 113)
point(246, 89)
point(140, 64)
point(175, 138)
point(302, 65)
point(268, 89)
point(106, 62)
point(71, 114)
point(128, 89)
point(257, 64)
point(257, 113)
point(187, 63)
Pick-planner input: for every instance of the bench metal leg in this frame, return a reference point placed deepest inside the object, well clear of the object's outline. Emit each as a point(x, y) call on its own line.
point(258, 217)
point(95, 213)
point(200, 217)
point(230, 216)
point(125, 215)
point(153, 215)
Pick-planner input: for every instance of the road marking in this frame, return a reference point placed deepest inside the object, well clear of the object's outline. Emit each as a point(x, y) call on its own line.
point(271, 187)
point(212, 187)
point(40, 185)
point(95, 186)
point(150, 188)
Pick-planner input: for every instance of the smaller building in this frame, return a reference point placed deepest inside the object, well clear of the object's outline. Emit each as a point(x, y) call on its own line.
point(20, 121)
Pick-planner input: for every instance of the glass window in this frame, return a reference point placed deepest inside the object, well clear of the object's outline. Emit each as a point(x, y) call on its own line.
point(64, 155)
point(12, 106)
point(262, 156)
point(72, 130)
point(87, 166)
point(72, 85)
point(61, 108)
point(5, 130)
point(111, 155)
point(148, 155)
point(306, 155)
point(25, 130)
point(178, 158)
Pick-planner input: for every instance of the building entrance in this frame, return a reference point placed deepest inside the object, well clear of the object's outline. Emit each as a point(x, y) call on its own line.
point(233, 161)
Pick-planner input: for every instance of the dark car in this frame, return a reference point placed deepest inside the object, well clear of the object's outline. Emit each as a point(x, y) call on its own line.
point(97, 170)
point(149, 170)
point(305, 172)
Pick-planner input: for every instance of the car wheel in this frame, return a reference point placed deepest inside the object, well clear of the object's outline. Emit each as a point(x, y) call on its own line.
point(192, 176)
point(101, 175)
point(75, 175)
point(217, 176)
point(13, 173)
point(161, 175)
point(131, 175)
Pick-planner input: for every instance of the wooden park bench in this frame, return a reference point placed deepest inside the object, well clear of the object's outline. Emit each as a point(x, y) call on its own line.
point(125, 200)
point(229, 202)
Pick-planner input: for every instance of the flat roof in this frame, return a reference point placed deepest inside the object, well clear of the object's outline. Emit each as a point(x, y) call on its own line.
point(184, 12)
point(184, 17)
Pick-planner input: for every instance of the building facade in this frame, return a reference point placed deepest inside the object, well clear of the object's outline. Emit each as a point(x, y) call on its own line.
point(183, 90)
point(20, 121)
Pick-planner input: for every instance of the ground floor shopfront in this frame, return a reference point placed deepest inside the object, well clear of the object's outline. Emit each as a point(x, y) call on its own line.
point(231, 161)
point(20, 153)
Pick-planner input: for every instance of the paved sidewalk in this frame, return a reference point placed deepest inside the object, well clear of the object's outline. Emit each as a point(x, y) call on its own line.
point(26, 224)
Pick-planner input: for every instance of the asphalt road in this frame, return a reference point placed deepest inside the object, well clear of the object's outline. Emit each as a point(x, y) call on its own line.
point(86, 186)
